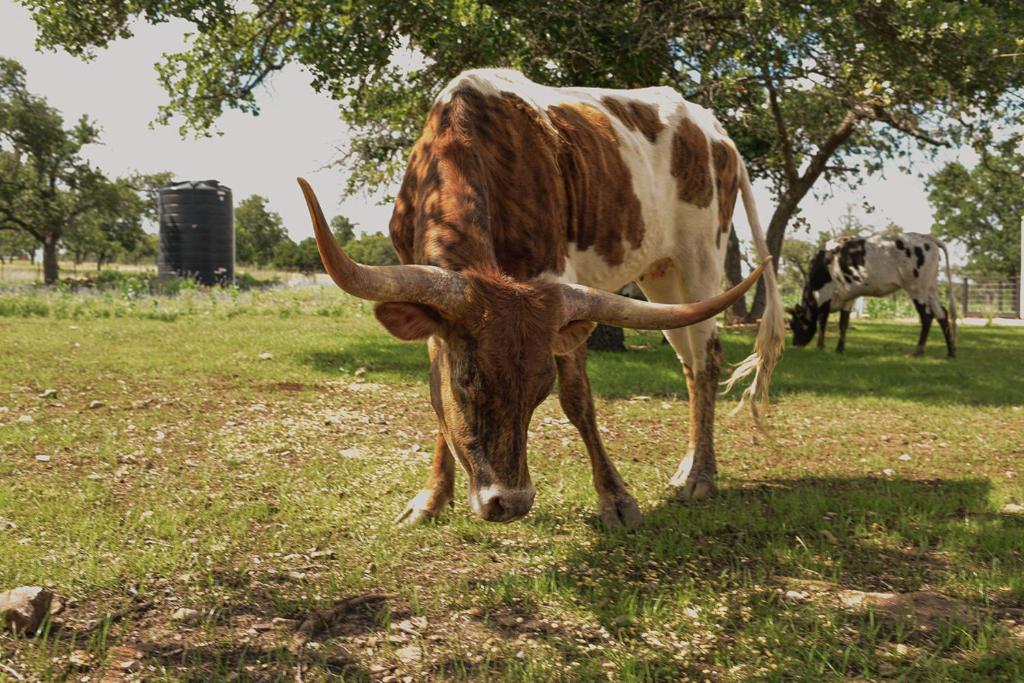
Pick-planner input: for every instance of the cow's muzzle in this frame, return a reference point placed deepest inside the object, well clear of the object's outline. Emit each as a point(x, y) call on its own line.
point(499, 504)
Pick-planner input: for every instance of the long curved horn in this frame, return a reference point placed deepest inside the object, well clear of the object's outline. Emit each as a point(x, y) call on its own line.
point(431, 285)
point(587, 303)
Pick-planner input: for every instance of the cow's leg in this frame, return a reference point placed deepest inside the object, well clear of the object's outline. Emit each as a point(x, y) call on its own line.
point(437, 492)
point(844, 323)
point(440, 487)
point(926, 325)
point(822, 324)
point(697, 348)
point(947, 332)
point(695, 477)
point(616, 506)
point(942, 315)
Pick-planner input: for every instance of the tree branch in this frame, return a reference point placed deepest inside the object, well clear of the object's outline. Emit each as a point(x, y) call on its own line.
point(820, 160)
point(9, 220)
point(789, 165)
point(904, 124)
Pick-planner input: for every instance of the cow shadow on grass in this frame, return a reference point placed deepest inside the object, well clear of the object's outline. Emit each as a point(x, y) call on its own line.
point(252, 662)
point(739, 550)
point(230, 645)
point(877, 364)
point(384, 360)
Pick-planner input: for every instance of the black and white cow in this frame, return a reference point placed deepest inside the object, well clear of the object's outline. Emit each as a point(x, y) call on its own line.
point(878, 265)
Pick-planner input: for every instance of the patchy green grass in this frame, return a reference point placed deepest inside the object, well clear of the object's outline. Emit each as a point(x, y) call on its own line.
point(252, 489)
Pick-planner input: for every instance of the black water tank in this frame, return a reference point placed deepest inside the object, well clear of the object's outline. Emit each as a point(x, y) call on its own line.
point(197, 232)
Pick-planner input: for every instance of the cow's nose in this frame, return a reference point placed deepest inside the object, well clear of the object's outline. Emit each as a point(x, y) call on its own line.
point(500, 504)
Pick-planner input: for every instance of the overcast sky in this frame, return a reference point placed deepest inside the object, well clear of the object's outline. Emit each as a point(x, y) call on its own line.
point(298, 132)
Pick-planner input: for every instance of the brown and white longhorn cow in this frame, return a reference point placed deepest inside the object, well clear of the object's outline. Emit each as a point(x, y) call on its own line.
point(521, 208)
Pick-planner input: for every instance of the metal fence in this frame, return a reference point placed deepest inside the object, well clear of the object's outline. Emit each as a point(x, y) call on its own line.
point(989, 297)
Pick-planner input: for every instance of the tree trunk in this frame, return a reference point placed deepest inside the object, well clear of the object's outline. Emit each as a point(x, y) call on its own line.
point(607, 338)
point(50, 266)
point(790, 200)
point(734, 274)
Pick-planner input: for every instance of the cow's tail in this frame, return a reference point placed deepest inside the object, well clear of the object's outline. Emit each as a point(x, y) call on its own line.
point(771, 335)
point(949, 284)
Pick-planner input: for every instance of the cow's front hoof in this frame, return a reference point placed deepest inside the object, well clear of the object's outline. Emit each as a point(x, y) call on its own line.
point(693, 483)
point(917, 353)
point(696, 488)
point(620, 511)
point(425, 507)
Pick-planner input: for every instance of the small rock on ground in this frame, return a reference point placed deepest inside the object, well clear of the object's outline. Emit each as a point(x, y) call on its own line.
point(409, 654)
point(24, 608)
point(185, 615)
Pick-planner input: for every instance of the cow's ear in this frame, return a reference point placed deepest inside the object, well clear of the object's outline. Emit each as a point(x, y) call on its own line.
point(792, 310)
point(571, 336)
point(408, 321)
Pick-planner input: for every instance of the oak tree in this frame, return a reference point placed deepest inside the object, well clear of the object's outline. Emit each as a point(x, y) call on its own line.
point(982, 209)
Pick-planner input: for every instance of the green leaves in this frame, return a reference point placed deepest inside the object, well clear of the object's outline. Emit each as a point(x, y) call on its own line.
point(258, 231)
point(982, 209)
point(825, 90)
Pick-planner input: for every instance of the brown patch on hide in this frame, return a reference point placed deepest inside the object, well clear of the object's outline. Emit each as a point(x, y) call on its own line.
point(691, 165)
point(727, 164)
point(636, 116)
point(482, 190)
point(658, 269)
point(602, 208)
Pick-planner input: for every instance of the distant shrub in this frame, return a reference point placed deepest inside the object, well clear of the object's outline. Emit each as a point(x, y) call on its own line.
point(15, 306)
point(132, 284)
point(94, 303)
point(245, 282)
point(117, 279)
point(373, 250)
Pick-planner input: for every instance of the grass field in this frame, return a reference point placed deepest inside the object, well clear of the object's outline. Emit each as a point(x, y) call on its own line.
point(871, 533)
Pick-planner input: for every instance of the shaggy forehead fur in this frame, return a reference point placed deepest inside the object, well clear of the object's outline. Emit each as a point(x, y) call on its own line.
point(513, 322)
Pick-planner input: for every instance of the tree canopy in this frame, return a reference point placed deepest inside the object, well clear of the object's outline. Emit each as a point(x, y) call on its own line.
point(258, 231)
point(375, 250)
point(982, 208)
point(302, 256)
point(343, 228)
point(810, 91)
point(15, 244)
